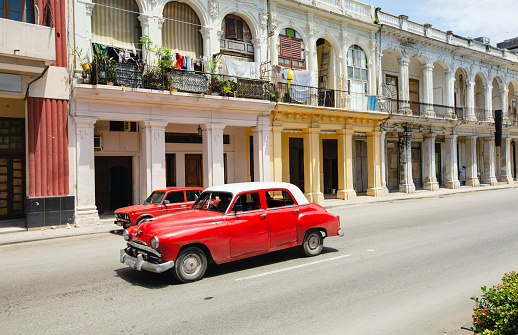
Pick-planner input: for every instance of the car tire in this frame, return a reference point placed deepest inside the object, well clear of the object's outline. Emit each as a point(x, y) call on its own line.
point(190, 265)
point(313, 243)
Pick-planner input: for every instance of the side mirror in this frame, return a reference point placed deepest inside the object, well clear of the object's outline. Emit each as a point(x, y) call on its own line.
point(167, 202)
point(238, 208)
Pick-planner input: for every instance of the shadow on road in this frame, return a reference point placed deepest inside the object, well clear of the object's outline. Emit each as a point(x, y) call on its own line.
point(157, 281)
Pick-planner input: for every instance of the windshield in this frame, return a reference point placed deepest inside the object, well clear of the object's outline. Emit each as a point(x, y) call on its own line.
point(155, 198)
point(213, 201)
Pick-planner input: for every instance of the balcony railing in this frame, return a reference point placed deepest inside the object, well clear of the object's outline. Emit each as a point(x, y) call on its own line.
point(137, 76)
point(394, 106)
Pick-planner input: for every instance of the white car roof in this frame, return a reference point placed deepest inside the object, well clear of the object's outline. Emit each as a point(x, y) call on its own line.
point(254, 186)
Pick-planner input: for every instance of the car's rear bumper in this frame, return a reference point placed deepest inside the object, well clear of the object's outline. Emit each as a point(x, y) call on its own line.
point(138, 263)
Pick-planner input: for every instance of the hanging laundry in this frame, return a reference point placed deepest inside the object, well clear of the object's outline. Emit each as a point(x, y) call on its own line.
point(238, 68)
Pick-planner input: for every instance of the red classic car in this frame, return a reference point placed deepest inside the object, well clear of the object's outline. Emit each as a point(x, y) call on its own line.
point(160, 202)
point(227, 223)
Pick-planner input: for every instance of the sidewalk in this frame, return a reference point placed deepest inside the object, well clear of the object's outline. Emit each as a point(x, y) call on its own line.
point(106, 223)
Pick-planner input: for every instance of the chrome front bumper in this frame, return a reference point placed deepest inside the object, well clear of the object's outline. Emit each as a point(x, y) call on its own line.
point(138, 263)
point(340, 232)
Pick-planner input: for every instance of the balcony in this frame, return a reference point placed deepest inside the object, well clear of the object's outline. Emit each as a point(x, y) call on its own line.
point(26, 47)
point(174, 80)
point(239, 47)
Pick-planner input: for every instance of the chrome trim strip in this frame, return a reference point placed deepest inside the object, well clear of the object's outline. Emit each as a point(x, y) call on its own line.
point(139, 264)
point(340, 232)
point(144, 247)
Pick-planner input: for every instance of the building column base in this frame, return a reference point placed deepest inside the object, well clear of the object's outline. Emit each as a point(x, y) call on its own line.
point(376, 192)
point(87, 216)
point(453, 184)
point(431, 186)
point(317, 197)
point(407, 188)
point(491, 181)
point(346, 194)
point(472, 182)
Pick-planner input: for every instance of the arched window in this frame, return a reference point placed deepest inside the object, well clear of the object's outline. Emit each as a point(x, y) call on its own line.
point(181, 31)
point(357, 74)
point(291, 49)
point(17, 10)
point(115, 23)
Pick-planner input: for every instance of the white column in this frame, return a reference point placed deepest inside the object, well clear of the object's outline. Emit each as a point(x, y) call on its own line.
point(471, 162)
point(452, 166)
point(430, 176)
point(516, 159)
point(507, 175)
point(489, 162)
point(488, 107)
point(213, 163)
point(86, 211)
point(83, 27)
point(151, 27)
point(152, 163)
point(206, 33)
point(505, 108)
point(258, 44)
point(261, 135)
point(406, 183)
point(383, 162)
point(404, 93)
point(428, 90)
point(470, 87)
point(450, 93)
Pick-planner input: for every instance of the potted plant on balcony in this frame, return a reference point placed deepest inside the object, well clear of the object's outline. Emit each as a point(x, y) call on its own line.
point(78, 53)
point(104, 70)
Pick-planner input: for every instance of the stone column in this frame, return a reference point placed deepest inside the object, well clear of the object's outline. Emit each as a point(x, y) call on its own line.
point(505, 108)
point(383, 162)
point(345, 165)
point(489, 162)
point(86, 211)
point(258, 47)
point(488, 107)
point(312, 164)
point(152, 157)
point(151, 27)
point(375, 187)
point(429, 173)
point(261, 135)
point(470, 87)
point(206, 33)
point(450, 93)
point(428, 90)
point(450, 161)
point(404, 93)
point(213, 163)
point(277, 152)
point(406, 183)
point(83, 27)
point(516, 160)
point(471, 162)
point(506, 173)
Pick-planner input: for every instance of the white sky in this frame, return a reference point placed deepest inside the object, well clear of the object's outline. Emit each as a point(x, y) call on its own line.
point(496, 19)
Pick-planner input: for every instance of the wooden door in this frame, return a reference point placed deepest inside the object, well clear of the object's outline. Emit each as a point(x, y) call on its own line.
point(361, 175)
point(193, 170)
point(12, 187)
point(392, 166)
point(416, 164)
point(413, 90)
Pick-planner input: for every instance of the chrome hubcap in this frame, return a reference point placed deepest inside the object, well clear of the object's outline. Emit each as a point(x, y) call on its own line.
point(191, 264)
point(313, 242)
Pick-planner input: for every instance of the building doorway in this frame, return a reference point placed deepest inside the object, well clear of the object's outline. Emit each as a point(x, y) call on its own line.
point(193, 170)
point(113, 182)
point(330, 156)
point(361, 170)
point(392, 166)
point(438, 164)
point(416, 164)
point(297, 162)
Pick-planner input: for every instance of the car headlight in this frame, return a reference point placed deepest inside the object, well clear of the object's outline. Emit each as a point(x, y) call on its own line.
point(125, 235)
point(154, 242)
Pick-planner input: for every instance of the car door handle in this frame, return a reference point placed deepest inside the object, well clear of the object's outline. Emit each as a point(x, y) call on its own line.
point(262, 216)
point(296, 211)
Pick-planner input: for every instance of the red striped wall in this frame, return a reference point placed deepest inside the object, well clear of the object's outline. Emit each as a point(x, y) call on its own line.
point(59, 18)
point(47, 122)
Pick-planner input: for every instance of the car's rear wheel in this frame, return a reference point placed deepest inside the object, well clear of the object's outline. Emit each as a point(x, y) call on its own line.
point(190, 265)
point(313, 243)
point(141, 221)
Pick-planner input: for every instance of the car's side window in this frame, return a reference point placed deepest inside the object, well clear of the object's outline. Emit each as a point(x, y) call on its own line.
point(175, 197)
point(248, 202)
point(191, 195)
point(278, 198)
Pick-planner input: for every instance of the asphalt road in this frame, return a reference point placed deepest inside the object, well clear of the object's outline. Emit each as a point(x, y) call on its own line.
point(407, 267)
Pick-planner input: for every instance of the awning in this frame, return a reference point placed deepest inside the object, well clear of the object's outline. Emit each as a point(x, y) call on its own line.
point(115, 23)
point(181, 30)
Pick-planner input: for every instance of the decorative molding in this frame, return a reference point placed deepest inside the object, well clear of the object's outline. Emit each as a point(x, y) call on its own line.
point(213, 8)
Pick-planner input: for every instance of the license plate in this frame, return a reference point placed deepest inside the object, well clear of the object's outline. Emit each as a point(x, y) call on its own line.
point(130, 262)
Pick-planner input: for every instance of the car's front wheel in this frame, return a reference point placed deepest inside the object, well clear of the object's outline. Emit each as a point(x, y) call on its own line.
point(190, 265)
point(313, 243)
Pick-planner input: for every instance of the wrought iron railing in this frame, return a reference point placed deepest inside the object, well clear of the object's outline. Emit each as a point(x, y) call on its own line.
point(395, 106)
